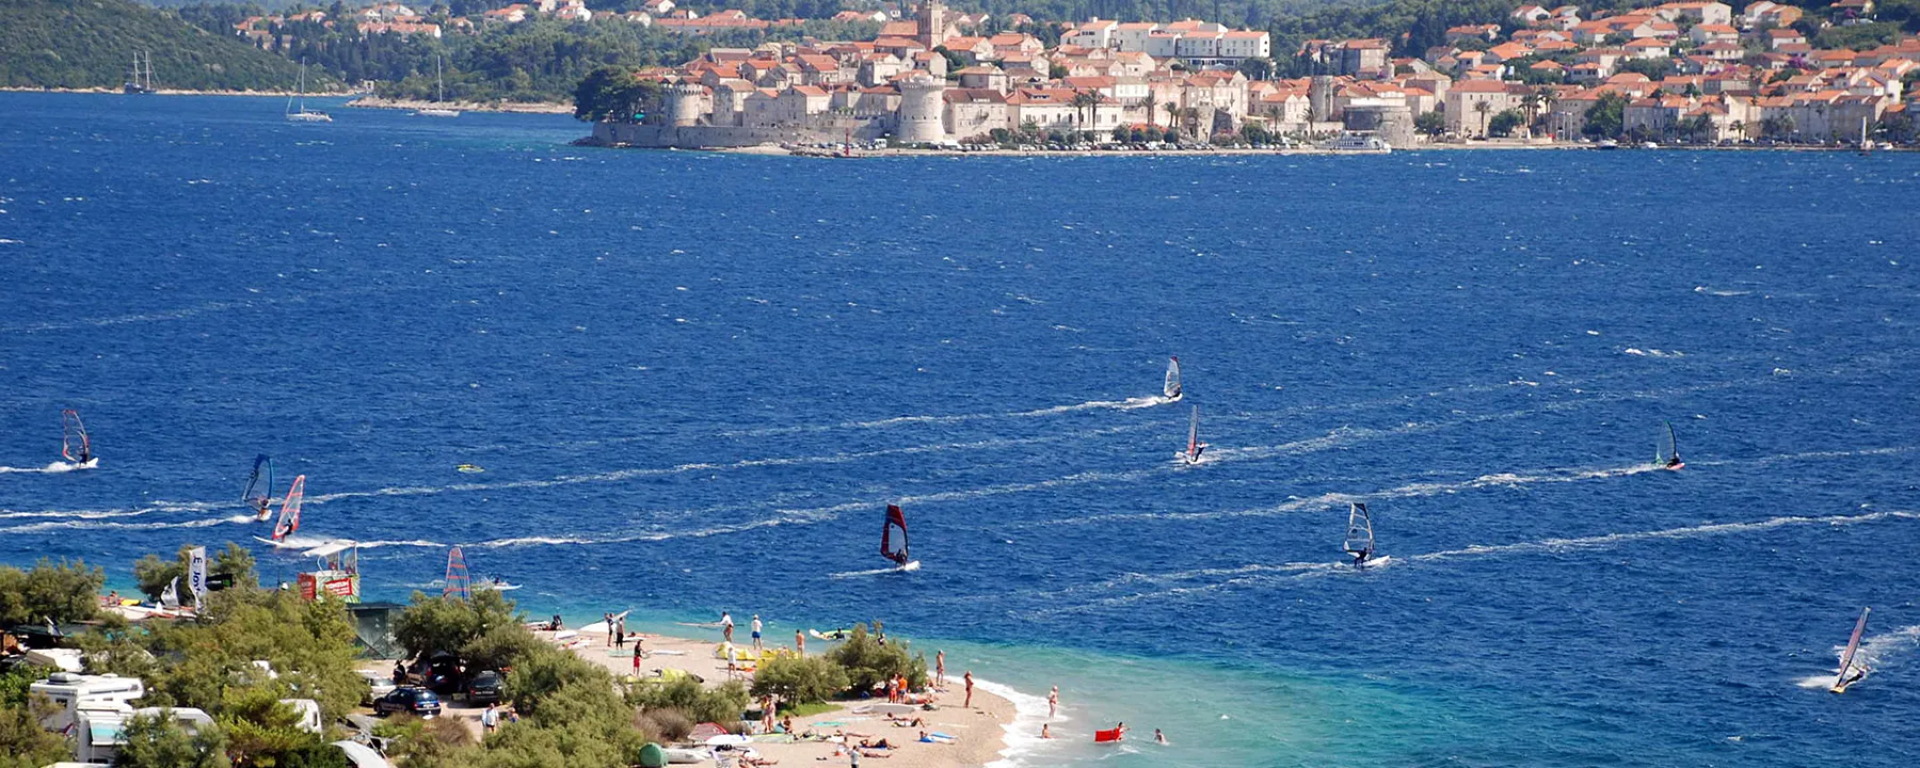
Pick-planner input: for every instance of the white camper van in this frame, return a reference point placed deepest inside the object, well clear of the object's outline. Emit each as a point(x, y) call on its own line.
point(73, 693)
point(98, 736)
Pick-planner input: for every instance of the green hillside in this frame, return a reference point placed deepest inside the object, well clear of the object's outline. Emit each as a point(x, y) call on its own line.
point(91, 43)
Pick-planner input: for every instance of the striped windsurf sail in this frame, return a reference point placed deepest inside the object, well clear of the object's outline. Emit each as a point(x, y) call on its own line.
point(1172, 386)
point(289, 521)
point(259, 490)
point(1853, 647)
point(74, 443)
point(896, 520)
point(1359, 531)
point(458, 584)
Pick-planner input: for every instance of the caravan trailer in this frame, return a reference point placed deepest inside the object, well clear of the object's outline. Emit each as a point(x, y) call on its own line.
point(73, 693)
point(98, 736)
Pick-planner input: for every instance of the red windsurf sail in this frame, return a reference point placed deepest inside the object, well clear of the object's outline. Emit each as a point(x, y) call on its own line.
point(895, 519)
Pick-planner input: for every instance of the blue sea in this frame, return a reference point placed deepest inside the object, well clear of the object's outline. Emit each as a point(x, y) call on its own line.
point(695, 380)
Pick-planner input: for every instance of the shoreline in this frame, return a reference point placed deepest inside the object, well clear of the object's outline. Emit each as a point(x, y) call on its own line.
point(104, 91)
point(985, 732)
point(770, 150)
point(514, 107)
point(359, 101)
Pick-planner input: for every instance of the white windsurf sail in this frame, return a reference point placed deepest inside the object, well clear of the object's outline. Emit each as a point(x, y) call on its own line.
point(289, 521)
point(1171, 388)
point(1845, 678)
point(1666, 449)
point(74, 443)
point(1359, 533)
point(259, 492)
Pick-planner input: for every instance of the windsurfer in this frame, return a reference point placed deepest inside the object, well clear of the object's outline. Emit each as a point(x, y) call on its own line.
point(1673, 461)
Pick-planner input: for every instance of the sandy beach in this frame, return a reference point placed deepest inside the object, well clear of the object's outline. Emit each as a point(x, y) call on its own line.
point(980, 731)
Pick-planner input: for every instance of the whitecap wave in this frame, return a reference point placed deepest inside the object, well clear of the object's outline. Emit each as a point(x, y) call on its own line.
point(1021, 735)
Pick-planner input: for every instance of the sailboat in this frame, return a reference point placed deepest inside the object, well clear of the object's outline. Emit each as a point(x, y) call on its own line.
point(896, 519)
point(1359, 534)
point(1858, 671)
point(1172, 386)
point(1194, 447)
point(1667, 454)
point(439, 96)
point(304, 115)
point(139, 85)
point(75, 446)
point(259, 492)
point(289, 521)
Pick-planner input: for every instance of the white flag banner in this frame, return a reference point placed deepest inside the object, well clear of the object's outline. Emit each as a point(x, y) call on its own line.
point(197, 576)
point(170, 597)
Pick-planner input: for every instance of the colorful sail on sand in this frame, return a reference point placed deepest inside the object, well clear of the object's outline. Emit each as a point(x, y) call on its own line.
point(1850, 672)
point(74, 443)
point(896, 520)
point(1359, 534)
point(289, 521)
point(259, 492)
point(1171, 388)
point(1194, 446)
point(1666, 449)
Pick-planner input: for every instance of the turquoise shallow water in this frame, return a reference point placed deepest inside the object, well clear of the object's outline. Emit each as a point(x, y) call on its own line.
point(694, 380)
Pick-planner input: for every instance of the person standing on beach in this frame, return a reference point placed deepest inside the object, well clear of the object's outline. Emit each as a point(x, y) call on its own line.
point(969, 677)
point(1053, 703)
point(799, 644)
point(726, 625)
point(490, 719)
point(940, 669)
point(608, 618)
point(756, 634)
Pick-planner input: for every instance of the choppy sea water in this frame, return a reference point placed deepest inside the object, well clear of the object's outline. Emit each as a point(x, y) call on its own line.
point(694, 380)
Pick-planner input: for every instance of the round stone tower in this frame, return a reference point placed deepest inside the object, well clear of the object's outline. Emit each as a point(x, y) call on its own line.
point(1320, 98)
point(683, 103)
point(922, 100)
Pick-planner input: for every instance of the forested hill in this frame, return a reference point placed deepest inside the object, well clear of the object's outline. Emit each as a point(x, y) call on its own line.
point(91, 44)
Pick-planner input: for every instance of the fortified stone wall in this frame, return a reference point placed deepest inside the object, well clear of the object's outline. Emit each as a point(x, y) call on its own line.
point(826, 130)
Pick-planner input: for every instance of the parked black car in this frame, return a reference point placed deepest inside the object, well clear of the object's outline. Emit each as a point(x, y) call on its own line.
point(418, 701)
point(484, 687)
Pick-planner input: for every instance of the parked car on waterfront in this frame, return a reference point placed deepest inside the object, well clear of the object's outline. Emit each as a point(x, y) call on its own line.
point(417, 701)
point(485, 687)
point(378, 684)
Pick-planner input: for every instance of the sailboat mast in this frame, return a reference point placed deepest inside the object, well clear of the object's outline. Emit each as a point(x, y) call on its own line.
point(439, 82)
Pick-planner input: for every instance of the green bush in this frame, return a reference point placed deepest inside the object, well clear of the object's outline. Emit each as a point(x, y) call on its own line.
point(666, 724)
point(541, 674)
point(432, 624)
point(808, 679)
point(160, 742)
point(65, 593)
point(869, 664)
point(261, 730)
point(23, 743)
point(722, 705)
